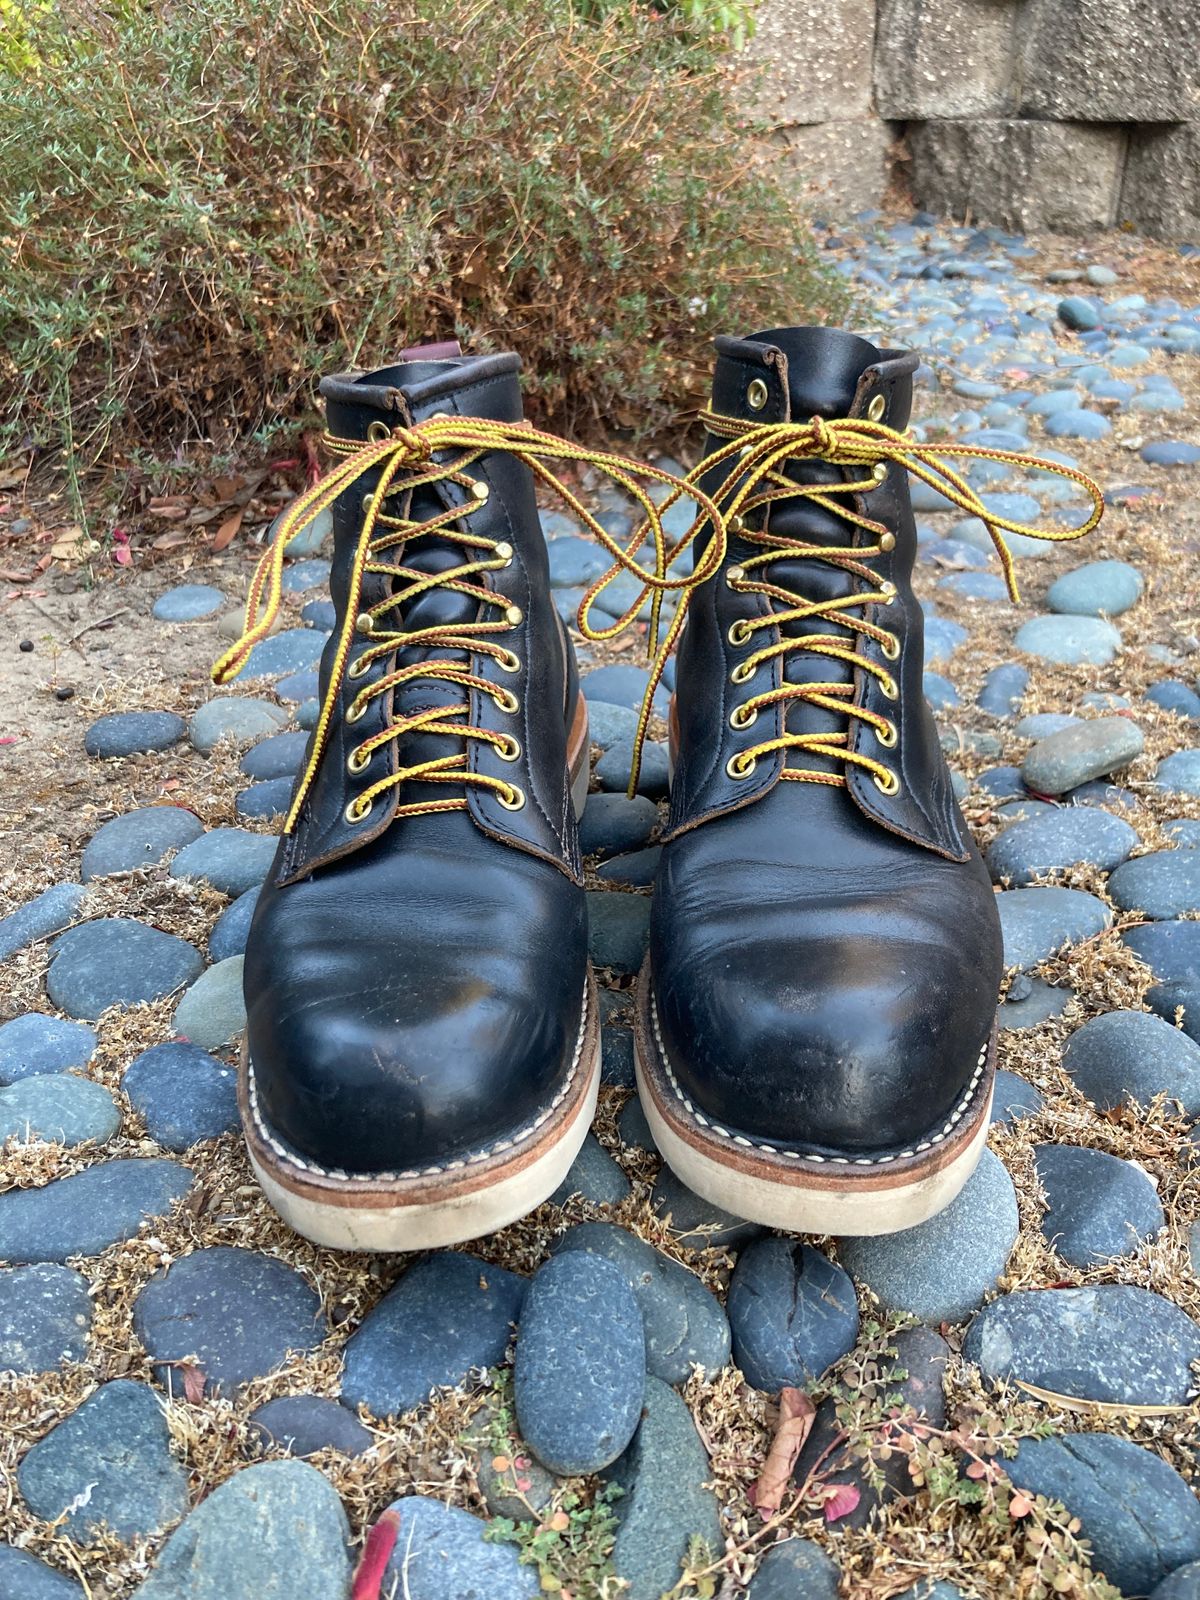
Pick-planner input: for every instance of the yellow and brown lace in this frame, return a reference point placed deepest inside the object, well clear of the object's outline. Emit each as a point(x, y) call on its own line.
point(442, 449)
point(756, 455)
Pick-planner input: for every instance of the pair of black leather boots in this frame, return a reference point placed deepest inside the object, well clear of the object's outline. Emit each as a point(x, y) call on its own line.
point(816, 1013)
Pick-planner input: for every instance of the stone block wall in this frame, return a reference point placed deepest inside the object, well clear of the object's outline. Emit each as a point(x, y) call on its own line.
point(1063, 114)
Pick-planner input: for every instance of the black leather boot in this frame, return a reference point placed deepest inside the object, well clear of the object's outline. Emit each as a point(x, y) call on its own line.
point(422, 1044)
point(817, 1011)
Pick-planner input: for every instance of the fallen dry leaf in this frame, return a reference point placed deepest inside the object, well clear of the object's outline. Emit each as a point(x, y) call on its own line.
point(840, 1500)
point(228, 531)
point(377, 1552)
point(193, 1382)
point(796, 1415)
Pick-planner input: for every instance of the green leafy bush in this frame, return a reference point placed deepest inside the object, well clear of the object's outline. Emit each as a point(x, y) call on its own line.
point(202, 205)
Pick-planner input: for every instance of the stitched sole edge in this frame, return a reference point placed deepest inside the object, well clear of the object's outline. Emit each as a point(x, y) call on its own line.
point(426, 1208)
point(808, 1192)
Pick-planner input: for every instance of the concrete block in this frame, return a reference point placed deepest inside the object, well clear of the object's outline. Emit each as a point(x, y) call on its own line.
point(1110, 61)
point(1160, 194)
point(939, 59)
point(840, 167)
point(1019, 174)
point(810, 60)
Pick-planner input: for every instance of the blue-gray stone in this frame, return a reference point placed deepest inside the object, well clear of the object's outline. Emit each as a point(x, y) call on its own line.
point(182, 1094)
point(1139, 1516)
point(615, 765)
point(47, 913)
point(1078, 425)
point(1183, 1584)
point(230, 859)
point(1014, 1098)
point(1132, 1055)
point(301, 575)
point(1161, 885)
point(212, 1012)
point(1001, 783)
point(942, 639)
point(139, 838)
point(24, 1577)
point(683, 1322)
point(115, 961)
point(696, 1223)
point(580, 1369)
point(188, 602)
point(1076, 312)
point(108, 1464)
point(236, 1311)
point(594, 1175)
point(443, 1554)
point(577, 562)
point(1069, 641)
point(609, 725)
point(1171, 695)
point(83, 1214)
point(940, 692)
point(1110, 1342)
point(1179, 773)
point(272, 1529)
point(792, 1313)
point(292, 650)
point(636, 869)
point(667, 1519)
point(307, 713)
point(618, 1067)
point(1071, 836)
point(45, 1317)
point(795, 1569)
point(1038, 923)
point(297, 687)
point(1063, 761)
point(319, 614)
point(1184, 831)
point(1043, 723)
point(268, 799)
point(975, 585)
point(58, 1108)
point(618, 929)
point(447, 1314)
point(940, 1270)
point(1127, 355)
point(1045, 405)
point(1031, 1001)
point(310, 539)
point(1171, 453)
point(232, 927)
point(233, 717)
point(1003, 689)
point(278, 756)
point(633, 1126)
point(612, 824)
point(623, 686)
point(1099, 1207)
point(302, 1424)
point(33, 1045)
point(1170, 949)
point(127, 733)
point(1100, 589)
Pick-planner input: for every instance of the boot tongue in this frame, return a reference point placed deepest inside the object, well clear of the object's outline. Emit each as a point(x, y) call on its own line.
point(823, 365)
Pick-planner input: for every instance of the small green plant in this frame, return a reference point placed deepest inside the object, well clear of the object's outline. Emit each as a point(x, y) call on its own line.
point(202, 207)
point(571, 1546)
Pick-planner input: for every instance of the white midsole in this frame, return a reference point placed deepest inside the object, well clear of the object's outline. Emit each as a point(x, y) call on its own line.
point(433, 1224)
point(794, 1209)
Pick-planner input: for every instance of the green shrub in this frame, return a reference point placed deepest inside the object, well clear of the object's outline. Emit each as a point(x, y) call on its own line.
point(201, 205)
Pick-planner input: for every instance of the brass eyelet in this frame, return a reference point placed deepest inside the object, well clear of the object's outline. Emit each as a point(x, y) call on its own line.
point(757, 394)
point(438, 416)
point(357, 762)
point(507, 702)
point(359, 667)
point(739, 632)
point(377, 432)
point(365, 504)
point(364, 623)
point(516, 798)
point(877, 407)
point(355, 713)
point(887, 737)
point(510, 751)
point(504, 552)
point(890, 646)
point(888, 785)
point(480, 491)
point(734, 575)
point(358, 810)
point(743, 672)
point(736, 523)
point(514, 616)
point(739, 766)
point(889, 689)
point(508, 662)
point(879, 471)
point(743, 716)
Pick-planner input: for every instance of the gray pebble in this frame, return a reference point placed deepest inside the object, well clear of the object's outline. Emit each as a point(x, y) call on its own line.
point(24, 1577)
point(230, 859)
point(443, 1554)
point(84, 1213)
point(188, 602)
point(232, 928)
point(611, 823)
point(302, 1424)
point(33, 1045)
point(1081, 752)
point(1100, 1208)
point(277, 756)
point(290, 650)
point(58, 1108)
point(618, 929)
point(1132, 1055)
point(136, 839)
point(1014, 1098)
point(594, 1175)
point(1162, 885)
point(1069, 641)
point(126, 733)
point(697, 1223)
point(1057, 841)
point(182, 1094)
point(1099, 589)
point(212, 1012)
point(45, 1318)
point(793, 1314)
point(47, 913)
point(795, 1569)
point(1038, 923)
point(115, 961)
point(235, 717)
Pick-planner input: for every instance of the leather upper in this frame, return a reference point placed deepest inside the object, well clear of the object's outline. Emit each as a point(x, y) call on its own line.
point(414, 985)
point(825, 960)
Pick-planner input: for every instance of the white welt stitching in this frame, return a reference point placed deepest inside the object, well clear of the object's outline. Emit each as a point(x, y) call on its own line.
point(955, 1117)
point(293, 1160)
